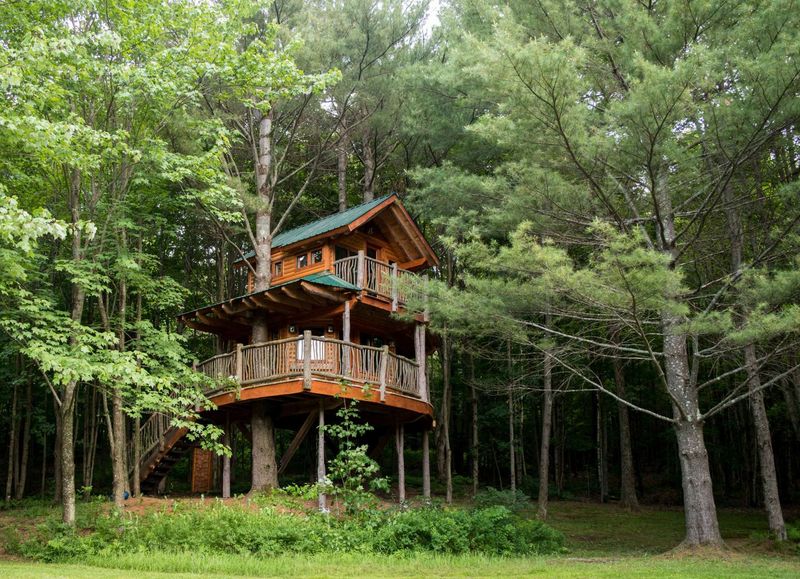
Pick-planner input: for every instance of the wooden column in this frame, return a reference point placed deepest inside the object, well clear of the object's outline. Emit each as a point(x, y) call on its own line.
point(307, 360)
point(426, 466)
point(346, 338)
point(321, 458)
point(394, 287)
point(361, 273)
point(226, 460)
point(383, 368)
point(401, 464)
point(238, 362)
point(346, 322)
point(419, 350)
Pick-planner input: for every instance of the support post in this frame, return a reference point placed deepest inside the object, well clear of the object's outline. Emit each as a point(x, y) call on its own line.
point(321, 458)
point(238, 362)
point(307, 360)
point(346, 338)
point(362, 269)
point(426, 466)
point(346, 322)
point(401, 466)
point(394, 287)
point(419, 350)
point(226, 460)
point(384, 365)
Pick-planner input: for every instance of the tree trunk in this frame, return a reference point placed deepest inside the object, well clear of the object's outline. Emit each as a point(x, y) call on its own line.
point(57, 486)
point(68, 397)
point(544, 452)
point(766, 458)
point(447, 403)
point(118, 467)
point(265, 467)
point(702, 527)
point(443, 430)
point(341, 171)
point(369, 156)
point(12, 445)
point(475, 439)
point(602, 450)
point(26, 440)
point(628, 497)
point(699, 508)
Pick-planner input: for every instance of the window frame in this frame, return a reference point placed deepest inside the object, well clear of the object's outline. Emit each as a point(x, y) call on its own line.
point(303, 256)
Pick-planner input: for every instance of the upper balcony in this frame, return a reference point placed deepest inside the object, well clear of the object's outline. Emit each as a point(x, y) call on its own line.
point(377, 278)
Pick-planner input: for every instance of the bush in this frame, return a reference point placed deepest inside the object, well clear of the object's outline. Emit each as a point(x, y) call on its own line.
point(217, 529)
point(490, 497)
point(493, 530)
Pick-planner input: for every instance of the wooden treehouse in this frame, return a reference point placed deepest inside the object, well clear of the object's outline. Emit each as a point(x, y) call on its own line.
point(336, 285)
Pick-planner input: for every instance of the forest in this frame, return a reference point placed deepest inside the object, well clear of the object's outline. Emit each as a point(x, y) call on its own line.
point(612, 191)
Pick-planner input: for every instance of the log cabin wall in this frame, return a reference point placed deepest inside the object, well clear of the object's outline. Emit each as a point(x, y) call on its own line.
point(285, 266)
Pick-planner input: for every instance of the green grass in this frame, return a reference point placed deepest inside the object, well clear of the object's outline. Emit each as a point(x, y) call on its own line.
point(172, 566)
point(603, 541)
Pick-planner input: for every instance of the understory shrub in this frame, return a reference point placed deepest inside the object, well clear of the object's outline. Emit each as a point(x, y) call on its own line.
point(515, 501)
point(217, 528)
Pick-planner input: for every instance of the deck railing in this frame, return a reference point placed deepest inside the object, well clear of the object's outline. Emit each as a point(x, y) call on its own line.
point(310, 356)
point(377, 277)
point(151, 437)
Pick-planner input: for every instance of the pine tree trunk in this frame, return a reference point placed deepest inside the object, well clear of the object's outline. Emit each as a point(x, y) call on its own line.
point(475, 438)
point(544, 452)
point(699, 508)
point(602, 450)
point(766, 458)
point(447, 388)
point(443, 430)
point(628, 497)
point(265, 468)
point(26, 440)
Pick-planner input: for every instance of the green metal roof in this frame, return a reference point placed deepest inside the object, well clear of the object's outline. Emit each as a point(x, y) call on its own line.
point(323, 225)
point(325, 278)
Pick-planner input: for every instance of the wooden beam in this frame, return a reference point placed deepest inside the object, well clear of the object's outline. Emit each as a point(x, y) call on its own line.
point(399, 245)
point(427, 249)
point(353, 225)
point(296, 408)
point(268, 300)
point(298, 295)
point(223, 324)
point(323, 293)
point(413, 264)
point(297, 440)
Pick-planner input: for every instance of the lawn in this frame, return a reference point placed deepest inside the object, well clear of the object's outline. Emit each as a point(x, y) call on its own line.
point(603, 541)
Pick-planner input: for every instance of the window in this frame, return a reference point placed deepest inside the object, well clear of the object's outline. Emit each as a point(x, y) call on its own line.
point(317, 346)
point(302, 261)
point(316, 256)
point(278, 268)
point(342, 252)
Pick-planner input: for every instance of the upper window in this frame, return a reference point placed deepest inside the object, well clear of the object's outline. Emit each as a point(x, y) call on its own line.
point(316, 256)
point(278, 268)
point(302, 261)
point(342, 252)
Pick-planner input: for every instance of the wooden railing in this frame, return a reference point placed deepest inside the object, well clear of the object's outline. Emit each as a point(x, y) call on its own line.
point(151, 437)
point(310, 356)
point(378, 277)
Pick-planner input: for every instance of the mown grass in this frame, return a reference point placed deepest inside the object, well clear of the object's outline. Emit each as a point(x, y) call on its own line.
point(148, 565)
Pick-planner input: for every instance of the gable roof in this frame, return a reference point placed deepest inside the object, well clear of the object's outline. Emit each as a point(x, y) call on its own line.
point(324, 225)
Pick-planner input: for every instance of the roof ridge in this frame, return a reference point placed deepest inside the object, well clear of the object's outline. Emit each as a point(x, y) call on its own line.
point(319, 226)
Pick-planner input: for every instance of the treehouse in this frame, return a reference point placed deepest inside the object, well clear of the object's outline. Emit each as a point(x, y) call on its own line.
point(334, 333)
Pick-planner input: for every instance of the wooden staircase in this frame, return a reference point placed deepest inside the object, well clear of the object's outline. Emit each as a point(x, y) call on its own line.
point(162, 446)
